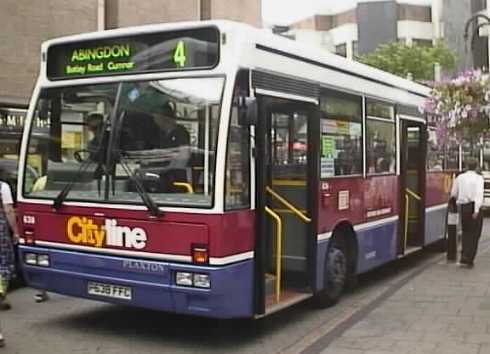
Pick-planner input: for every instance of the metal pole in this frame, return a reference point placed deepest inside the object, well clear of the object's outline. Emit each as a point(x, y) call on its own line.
point(452, 223)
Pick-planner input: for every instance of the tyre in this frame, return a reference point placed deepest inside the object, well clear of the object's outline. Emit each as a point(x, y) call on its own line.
point(335, 277)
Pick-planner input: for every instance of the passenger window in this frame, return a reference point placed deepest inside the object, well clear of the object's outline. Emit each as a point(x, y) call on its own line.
point(341, 134)
point(380, 137)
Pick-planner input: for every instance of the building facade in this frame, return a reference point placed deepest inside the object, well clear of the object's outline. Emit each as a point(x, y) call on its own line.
point(26, 24)
point(360, 29)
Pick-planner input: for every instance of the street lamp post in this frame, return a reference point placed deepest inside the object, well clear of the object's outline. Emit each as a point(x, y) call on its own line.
point(476, 28)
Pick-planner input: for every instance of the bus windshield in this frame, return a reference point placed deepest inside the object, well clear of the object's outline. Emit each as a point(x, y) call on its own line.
point(108, 140)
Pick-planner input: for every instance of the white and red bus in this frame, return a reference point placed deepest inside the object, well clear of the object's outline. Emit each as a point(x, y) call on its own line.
point(215, 169)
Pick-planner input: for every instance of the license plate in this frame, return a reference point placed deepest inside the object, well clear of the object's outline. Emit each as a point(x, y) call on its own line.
point(109, 290)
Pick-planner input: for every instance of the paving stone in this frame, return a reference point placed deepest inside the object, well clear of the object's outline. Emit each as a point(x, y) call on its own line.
point(444, 310)
point(457, 348)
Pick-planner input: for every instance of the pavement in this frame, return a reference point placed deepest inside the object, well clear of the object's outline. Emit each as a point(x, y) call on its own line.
point(418, 304)
point(442, 309)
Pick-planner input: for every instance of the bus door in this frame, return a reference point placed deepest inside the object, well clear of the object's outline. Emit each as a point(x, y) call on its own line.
point(285, 195)
point(412, 185)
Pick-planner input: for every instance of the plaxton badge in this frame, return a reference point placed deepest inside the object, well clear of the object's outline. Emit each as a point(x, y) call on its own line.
point(86, 231)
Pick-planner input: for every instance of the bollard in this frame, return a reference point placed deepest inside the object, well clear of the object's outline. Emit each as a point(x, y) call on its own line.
point(452, 223)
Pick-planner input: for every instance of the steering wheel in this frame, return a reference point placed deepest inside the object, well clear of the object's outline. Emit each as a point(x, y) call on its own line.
point(77, 154)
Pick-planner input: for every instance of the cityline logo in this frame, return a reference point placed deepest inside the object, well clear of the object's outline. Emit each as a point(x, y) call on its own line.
point(85, 231)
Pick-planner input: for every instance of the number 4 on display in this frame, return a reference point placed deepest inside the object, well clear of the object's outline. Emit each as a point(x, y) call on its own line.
point(179, 54)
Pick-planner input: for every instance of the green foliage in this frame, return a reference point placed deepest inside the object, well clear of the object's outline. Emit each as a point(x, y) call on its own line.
point(401, 59)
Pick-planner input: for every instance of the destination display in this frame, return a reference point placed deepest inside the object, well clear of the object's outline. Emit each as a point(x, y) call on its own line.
point(153, 52)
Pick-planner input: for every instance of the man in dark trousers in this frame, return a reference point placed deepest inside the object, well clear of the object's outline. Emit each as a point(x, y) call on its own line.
point(468, 192)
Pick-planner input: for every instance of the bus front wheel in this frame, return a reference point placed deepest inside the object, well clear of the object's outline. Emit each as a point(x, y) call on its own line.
point(335, 277)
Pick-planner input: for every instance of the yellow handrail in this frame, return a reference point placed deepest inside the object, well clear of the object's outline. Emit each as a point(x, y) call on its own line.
point(288, 205)
point(413, 194)
point(278, 220)
point(409, 193)
point(186, 186)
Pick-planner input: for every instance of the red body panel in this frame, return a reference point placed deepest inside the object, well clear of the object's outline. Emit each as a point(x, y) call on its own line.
point(368, 199)
point(438, 187)
point(372, 198)
point(172, 233)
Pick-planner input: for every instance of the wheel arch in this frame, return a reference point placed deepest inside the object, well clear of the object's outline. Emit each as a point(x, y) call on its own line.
point(345, 234)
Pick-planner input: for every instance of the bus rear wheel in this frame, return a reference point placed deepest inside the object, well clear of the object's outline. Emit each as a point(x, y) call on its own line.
point(335, 277)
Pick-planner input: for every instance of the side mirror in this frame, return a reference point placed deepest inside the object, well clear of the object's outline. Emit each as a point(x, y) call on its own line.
point(43, 108)
point(247, 111)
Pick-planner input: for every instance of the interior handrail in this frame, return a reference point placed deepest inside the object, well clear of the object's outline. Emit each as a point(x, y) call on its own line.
point(278, 220)
point(413, 194)
point(409, 193)
point(186, 186)
point(288, 205)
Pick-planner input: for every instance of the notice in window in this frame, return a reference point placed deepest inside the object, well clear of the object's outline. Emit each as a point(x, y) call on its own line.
point(343, 200)
point(328, 147)
point(327, 167)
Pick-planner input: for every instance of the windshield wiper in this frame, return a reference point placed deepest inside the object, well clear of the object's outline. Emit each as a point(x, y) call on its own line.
point(60, 198)
point(136, 179)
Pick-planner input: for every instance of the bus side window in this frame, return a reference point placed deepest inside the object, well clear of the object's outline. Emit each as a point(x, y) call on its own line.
point(380, 137)
point(237, 186)
point(341, 134)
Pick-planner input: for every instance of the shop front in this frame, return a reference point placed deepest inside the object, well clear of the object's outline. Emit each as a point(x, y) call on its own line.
point(11, 126)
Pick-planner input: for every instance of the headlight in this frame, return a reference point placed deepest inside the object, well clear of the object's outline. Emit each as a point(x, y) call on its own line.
point(43, 260)
point(30, 258)
point(183, 278)
point(202, 281)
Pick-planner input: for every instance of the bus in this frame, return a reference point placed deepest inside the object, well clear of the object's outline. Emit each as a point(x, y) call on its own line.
point(214, 169)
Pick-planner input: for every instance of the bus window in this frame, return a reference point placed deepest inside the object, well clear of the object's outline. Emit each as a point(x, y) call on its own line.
point(441, 155)
point(380, 138)
point(164, 138)
point(237, 186)
point(70, 133)
point(471, 150)
point(341, 134)
point(486, 157)
point(289, 142)
point(435, 152)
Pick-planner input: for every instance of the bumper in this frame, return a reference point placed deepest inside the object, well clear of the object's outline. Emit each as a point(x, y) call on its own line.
point(152, 282)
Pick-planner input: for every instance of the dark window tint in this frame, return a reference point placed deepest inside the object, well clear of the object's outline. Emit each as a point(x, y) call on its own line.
point(237, 186)
point(380, 146)
point(341, 135)
point(341, 50)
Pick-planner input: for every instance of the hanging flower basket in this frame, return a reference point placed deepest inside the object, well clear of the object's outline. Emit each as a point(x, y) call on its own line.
point(461, 106)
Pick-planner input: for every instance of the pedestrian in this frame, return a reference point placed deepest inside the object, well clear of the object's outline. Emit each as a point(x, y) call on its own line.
point(468, 192)
point(9, 236)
